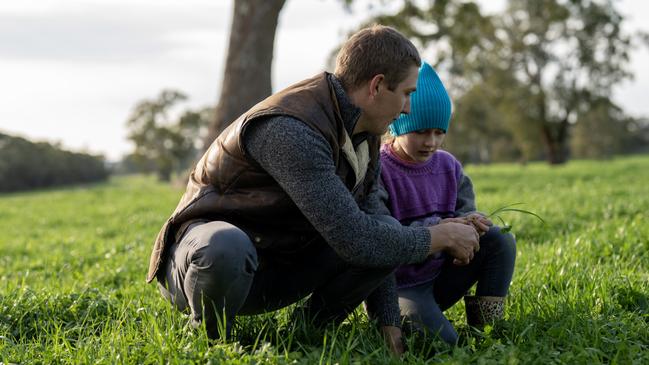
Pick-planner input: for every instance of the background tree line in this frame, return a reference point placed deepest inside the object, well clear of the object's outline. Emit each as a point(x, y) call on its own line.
point(166, 140)
point(28, 165)
point(533, 82)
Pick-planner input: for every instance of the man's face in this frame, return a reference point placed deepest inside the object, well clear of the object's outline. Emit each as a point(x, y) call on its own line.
point(388, 104)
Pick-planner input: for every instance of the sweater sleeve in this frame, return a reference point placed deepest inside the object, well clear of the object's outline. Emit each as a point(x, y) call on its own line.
point(300, 160)
point(465, 197)
point(382, 304)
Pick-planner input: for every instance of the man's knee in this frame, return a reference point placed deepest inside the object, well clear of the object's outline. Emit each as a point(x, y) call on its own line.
point(225, 247)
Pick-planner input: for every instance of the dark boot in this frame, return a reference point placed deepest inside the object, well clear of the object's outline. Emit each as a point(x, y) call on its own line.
point(483, 310)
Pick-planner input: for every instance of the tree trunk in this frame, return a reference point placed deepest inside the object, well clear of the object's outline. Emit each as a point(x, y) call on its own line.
point(556, 142)
point(554, 135)
point(246, 80)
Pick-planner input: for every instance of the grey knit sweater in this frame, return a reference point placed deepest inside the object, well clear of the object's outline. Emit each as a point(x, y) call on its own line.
point(300, 160)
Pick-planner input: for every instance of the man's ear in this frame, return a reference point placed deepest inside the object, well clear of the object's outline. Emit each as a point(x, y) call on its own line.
point(375, 84)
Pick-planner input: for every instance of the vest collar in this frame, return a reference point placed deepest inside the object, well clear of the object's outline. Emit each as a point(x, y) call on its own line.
point(348, 111)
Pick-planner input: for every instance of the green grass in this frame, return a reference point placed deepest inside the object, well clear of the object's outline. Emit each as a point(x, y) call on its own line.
point(73, 261)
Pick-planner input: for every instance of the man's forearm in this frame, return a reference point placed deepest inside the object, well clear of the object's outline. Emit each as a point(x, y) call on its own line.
point(299, 159)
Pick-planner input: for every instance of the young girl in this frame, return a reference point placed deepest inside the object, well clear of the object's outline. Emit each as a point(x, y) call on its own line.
point(426, 186)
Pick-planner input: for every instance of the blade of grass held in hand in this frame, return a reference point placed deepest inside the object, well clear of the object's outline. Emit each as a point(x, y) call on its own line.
point(508, 208)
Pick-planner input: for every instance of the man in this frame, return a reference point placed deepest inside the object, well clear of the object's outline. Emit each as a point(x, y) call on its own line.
point(284, 203)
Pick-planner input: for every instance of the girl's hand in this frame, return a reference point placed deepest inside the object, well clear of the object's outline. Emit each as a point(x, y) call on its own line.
point(461, 220)
point(479, 222)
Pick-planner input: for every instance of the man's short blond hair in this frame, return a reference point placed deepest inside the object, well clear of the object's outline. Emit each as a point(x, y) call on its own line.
point(375, 50)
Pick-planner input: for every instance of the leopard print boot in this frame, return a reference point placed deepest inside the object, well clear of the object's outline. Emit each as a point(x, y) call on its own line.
point(483, 310)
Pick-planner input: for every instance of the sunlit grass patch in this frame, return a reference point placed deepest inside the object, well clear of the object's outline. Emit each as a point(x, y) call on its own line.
point(73, 261)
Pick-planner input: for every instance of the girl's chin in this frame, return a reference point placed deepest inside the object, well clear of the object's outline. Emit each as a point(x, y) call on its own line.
point(420, 159)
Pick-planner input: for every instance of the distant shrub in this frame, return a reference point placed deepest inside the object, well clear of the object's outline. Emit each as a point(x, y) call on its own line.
point(27, 165)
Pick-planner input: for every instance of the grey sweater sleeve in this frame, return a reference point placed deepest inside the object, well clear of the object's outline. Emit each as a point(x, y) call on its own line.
point(382, 304)
point(465, 203)
point(300, 160)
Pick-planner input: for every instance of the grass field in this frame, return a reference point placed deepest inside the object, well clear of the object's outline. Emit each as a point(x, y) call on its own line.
point(73, 261)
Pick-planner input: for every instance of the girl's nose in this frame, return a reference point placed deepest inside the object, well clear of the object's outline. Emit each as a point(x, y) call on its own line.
point(406, 106)
point(432, 142)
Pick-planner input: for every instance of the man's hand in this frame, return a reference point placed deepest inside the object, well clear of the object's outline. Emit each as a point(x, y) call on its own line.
point(457, 239)
point(393, 339)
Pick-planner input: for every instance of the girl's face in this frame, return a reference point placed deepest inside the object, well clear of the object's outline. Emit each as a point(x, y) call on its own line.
point(418, 146)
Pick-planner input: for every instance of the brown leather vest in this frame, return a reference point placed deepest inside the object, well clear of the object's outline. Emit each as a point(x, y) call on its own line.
point(228, 185)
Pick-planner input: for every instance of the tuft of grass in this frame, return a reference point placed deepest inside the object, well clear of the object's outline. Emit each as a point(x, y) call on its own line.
point(73, 261)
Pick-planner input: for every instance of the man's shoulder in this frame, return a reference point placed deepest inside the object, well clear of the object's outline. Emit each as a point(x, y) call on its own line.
point(271, 128)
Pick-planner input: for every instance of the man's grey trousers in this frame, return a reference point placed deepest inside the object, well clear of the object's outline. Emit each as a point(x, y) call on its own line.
point(216, 273)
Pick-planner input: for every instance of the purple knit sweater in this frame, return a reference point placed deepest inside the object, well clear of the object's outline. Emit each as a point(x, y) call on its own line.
point(421, 194)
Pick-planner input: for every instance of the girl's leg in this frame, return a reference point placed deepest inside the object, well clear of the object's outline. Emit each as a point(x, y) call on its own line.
point(498, 268)
point(492, 268)
point(418, 305)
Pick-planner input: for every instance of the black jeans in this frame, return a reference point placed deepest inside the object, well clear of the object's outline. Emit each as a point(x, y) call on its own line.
point(492, 268)
point(216, 273)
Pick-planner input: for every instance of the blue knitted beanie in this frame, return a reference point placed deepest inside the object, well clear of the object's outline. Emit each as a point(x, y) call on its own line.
point(430, 105)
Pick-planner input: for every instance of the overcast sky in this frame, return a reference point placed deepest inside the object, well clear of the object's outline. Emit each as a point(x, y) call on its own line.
point(72, 70)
